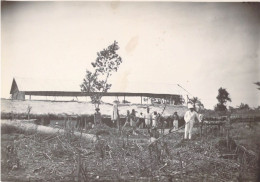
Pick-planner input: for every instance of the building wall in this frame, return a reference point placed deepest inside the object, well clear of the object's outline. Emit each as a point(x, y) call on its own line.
point(18, 95)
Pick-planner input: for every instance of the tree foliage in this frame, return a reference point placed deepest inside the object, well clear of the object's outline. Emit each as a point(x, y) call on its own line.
point(195, 101)
point(223, 97)
point(107, 62)
point(244, 106)
point(179, 101)
point(89, 82)
point(258, 84)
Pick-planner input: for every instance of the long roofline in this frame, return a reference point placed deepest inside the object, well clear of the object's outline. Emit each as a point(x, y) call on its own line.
point(82, 94)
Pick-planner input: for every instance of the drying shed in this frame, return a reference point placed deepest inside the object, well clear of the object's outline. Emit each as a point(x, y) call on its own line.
point(22, 87)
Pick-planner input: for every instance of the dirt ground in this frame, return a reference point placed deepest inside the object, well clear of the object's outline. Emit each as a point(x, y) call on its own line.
point(127, 157)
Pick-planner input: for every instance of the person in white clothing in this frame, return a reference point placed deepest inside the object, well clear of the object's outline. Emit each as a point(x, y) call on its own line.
point(148, 118)
point(190, 117)
point(115, 114)
point(155, 119)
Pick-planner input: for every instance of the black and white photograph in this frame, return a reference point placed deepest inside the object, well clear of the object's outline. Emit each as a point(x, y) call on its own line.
point(130, 91)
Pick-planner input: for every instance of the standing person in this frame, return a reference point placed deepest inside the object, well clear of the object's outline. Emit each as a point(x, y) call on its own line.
point(132, 117)
point(133, 121)
point(141, 120)
point(127, 121)
point(190, 116)
point(175, 121)
point(115, 114)
point(97, 117)
point(155, 118)
point(147, 118)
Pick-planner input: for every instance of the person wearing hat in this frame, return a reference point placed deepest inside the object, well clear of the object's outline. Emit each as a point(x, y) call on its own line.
point(97, 117)
point(190, 117)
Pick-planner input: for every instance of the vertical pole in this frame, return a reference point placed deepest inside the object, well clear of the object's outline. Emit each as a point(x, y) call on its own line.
point(78, 167)
point(124, 98)
point(30, 97)
point(187, 99)
point(85, 119)
point(65, 119)
point(141, 100)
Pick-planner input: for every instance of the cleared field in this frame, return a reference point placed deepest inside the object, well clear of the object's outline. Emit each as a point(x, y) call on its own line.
point(58, 153)
point(33, 156)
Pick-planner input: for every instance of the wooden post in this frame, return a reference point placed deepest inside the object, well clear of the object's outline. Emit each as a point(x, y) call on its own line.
point(78, 178)
point(65, 122)
point(179, 155)
point(201, 125)
point(85, 119)
point(228, 127)
point(206, 130)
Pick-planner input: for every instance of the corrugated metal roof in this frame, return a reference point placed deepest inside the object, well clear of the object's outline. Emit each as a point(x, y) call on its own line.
point(32, 84)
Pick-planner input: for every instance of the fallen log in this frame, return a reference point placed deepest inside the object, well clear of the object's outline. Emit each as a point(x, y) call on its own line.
point(170, 132)
point(247, 151)
point(29, 126)
point(227, 155)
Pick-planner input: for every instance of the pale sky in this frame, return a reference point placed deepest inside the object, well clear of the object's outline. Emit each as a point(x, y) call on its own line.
point(201, 46)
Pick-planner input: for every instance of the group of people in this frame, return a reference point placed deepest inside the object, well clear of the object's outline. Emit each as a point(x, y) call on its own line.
point(149, 120)
point(145, 120)
point(152, 120)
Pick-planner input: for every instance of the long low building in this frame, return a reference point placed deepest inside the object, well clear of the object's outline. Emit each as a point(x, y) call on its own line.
point(22, 87)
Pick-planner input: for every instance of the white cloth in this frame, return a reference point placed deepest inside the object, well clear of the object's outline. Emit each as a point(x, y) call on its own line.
point(190, 118)
point(147, 117)
point(175, 124)
point(114, 115)
point(154, 121)
point(201, 116)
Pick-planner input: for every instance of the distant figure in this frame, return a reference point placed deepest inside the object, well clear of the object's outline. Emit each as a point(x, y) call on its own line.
point(148, 118)
point(141, 120)
point(133, 121)
point(190, 116)
point(201, 116)
point(132, 117)
point(161, 122)
point(115, 114)
point(97, 117)
point(127, 121)
point(154, 119)
point(154, 134)
point(175, 121)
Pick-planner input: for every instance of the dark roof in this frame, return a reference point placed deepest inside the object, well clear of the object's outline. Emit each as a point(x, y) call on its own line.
point(13, 87)
point(48, 87)
point(81, 94)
